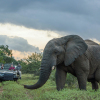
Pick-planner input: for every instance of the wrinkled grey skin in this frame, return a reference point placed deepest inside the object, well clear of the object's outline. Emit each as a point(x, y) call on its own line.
point(70, 54)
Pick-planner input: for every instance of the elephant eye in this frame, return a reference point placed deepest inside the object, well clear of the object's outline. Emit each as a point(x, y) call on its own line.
point(56, 52)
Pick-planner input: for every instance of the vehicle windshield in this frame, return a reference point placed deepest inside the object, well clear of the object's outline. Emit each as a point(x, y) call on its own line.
point(6, 66)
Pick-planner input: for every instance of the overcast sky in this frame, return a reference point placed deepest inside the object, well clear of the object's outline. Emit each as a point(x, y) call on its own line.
point(27, 25)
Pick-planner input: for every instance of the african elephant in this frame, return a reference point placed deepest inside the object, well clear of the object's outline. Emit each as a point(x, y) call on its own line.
point(70, 54)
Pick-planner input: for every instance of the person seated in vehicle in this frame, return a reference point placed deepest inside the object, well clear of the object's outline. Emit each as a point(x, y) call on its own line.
point(18, 69)
point(12, 68)
point(2, 66)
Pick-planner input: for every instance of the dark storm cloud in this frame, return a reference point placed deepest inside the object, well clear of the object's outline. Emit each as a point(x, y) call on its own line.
point(17, 43)
point(80, 17)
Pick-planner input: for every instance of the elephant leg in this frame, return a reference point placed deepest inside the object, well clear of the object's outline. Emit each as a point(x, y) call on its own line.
point(60, 78)
point(94, 85)
point(82, 79)
point(82, 71)
point(97, 75)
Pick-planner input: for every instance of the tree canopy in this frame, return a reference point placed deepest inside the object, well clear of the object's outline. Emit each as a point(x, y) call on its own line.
point(31, 64)
point(6, 54)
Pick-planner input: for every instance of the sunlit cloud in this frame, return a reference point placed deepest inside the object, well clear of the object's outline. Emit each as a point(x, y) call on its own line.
point(32, 38)
point(37, 38)
point(95, 40)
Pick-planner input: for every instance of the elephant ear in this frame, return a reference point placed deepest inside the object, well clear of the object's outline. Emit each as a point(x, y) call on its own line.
point(74, 47)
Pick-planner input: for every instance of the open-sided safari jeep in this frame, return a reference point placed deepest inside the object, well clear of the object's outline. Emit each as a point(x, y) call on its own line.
point(6, 74)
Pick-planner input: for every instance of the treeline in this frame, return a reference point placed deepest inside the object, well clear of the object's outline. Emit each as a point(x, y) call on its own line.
point(30, 65)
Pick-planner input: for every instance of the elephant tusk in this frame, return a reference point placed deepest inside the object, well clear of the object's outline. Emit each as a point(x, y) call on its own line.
point(53, 67)
point(39, 68)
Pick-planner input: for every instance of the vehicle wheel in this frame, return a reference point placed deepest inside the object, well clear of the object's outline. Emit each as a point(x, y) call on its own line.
point(15, 79)
point(0, 80)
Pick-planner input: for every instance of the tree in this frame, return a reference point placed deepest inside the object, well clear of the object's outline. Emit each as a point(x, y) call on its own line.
point(31, 64)
point(1, 57)
point(6, 54)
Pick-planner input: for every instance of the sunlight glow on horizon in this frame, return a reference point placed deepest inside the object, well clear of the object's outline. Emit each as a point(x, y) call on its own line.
point(20, 55)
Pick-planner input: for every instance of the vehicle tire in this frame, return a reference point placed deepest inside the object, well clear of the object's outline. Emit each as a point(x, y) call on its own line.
point(15, 79)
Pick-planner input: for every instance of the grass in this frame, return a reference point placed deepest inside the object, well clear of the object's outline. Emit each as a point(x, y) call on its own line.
point(10, 90)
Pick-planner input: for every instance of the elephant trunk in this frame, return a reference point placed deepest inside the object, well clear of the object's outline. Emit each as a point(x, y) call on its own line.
point(44, 75)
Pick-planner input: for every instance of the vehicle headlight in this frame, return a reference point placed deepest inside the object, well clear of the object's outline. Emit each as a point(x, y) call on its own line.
point(1, 74)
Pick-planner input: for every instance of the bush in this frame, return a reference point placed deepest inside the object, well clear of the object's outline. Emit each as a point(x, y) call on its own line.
point(52, 76)
point(71, 80)
point(31, 64)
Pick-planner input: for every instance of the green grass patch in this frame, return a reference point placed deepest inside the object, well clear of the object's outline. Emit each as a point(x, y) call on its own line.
point(10, 90)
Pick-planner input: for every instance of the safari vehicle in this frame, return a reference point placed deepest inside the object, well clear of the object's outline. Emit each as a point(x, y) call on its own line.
point(6, 74)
